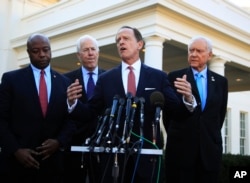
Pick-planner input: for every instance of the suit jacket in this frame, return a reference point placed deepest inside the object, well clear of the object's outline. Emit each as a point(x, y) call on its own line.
point(83, 130)
point(190, 136)
point(110, 84)
point(21, 119)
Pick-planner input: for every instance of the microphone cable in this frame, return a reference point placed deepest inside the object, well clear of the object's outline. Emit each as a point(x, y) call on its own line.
point(159, 157)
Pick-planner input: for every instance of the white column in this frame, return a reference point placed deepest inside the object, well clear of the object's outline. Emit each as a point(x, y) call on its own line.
point(154, 51)
point(8, 22)
point(4, 43)
point(154, 58)
point(217, 64)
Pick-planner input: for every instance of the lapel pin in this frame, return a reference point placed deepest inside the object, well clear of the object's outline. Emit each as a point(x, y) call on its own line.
point(212, 78)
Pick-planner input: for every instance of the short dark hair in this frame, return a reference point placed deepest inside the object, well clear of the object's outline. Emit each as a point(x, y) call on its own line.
point(137, 33)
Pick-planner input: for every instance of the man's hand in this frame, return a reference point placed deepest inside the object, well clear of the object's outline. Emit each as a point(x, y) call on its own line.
point(25, 157)
point(184, 88)
point(74, 92)
point(47, 148)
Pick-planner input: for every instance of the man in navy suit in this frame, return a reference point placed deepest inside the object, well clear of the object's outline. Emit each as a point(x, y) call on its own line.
point(80, 166)
point(134, 167)
point(32, 142)
point(194, 142)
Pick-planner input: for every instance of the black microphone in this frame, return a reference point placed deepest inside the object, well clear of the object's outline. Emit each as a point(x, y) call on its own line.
point(131, 123)
point(112, 115)
point(118, 118)
point(114, 106)
point(128, 109)
point(119, 113)
point(128, 106)
point(103, 126)
point(157, 100)
point(142, 101)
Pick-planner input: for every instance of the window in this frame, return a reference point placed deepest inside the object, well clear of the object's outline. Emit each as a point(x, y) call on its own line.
point(242, 133)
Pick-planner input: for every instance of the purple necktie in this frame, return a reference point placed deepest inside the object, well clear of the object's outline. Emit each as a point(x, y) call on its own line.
point(90, 85)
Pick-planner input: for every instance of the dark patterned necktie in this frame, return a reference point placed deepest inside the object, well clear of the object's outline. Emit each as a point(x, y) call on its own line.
point(90, 85)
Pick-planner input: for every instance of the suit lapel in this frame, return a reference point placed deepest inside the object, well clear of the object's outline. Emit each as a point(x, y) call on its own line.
point(118, 80)
point(144, 73)
point(191, 79)
point(211, 82)
point(30, 83)
point(54, 88)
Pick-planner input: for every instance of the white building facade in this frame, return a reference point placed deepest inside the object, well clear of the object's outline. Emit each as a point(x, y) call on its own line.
point(166, 25)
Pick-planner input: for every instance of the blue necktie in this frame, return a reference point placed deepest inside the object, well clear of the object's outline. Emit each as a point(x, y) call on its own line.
point(199, 78)
point(90, 85)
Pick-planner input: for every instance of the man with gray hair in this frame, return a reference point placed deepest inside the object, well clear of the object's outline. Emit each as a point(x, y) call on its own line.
point(79, 166)
point(194, 141)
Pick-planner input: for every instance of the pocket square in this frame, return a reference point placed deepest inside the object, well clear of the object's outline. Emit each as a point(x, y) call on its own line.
point(149, 88)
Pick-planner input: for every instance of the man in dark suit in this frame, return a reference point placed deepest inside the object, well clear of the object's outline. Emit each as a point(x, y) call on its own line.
point(80, 166)
point(31, 139)
point(134, 167)
point(194, 142)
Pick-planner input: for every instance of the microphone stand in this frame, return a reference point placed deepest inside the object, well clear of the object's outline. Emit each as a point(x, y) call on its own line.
point(115, 169)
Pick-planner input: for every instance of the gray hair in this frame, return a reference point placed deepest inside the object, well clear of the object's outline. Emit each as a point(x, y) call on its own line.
point(82, 39)
point(207, 40)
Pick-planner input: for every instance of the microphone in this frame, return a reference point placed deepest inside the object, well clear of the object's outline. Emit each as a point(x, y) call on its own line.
point(112, 114)
point(131, 123)
point(128, 109)
point(118, 118)
point(114, 106)
point(103, 126)
point(142, 101)
point(119, 113)
point(157, 100)
point(128, 106)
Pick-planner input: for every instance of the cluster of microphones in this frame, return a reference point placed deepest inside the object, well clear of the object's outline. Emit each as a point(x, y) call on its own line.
point(110, 122)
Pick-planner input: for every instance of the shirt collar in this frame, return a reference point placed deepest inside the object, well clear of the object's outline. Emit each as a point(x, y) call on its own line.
point(85, 71)
point(203, 72)
point(136, 65)
point(35, 69)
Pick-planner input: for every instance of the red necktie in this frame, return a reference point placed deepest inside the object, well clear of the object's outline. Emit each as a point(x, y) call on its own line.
point(43, 96)
point(131, 81)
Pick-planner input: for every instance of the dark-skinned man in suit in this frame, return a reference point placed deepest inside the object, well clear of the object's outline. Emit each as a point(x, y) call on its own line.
point(32, 140)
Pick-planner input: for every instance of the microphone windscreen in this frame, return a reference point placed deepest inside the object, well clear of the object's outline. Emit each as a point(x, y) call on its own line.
point(121, 101)
point(107, 112)
point(157, 99)
point(116, 97)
